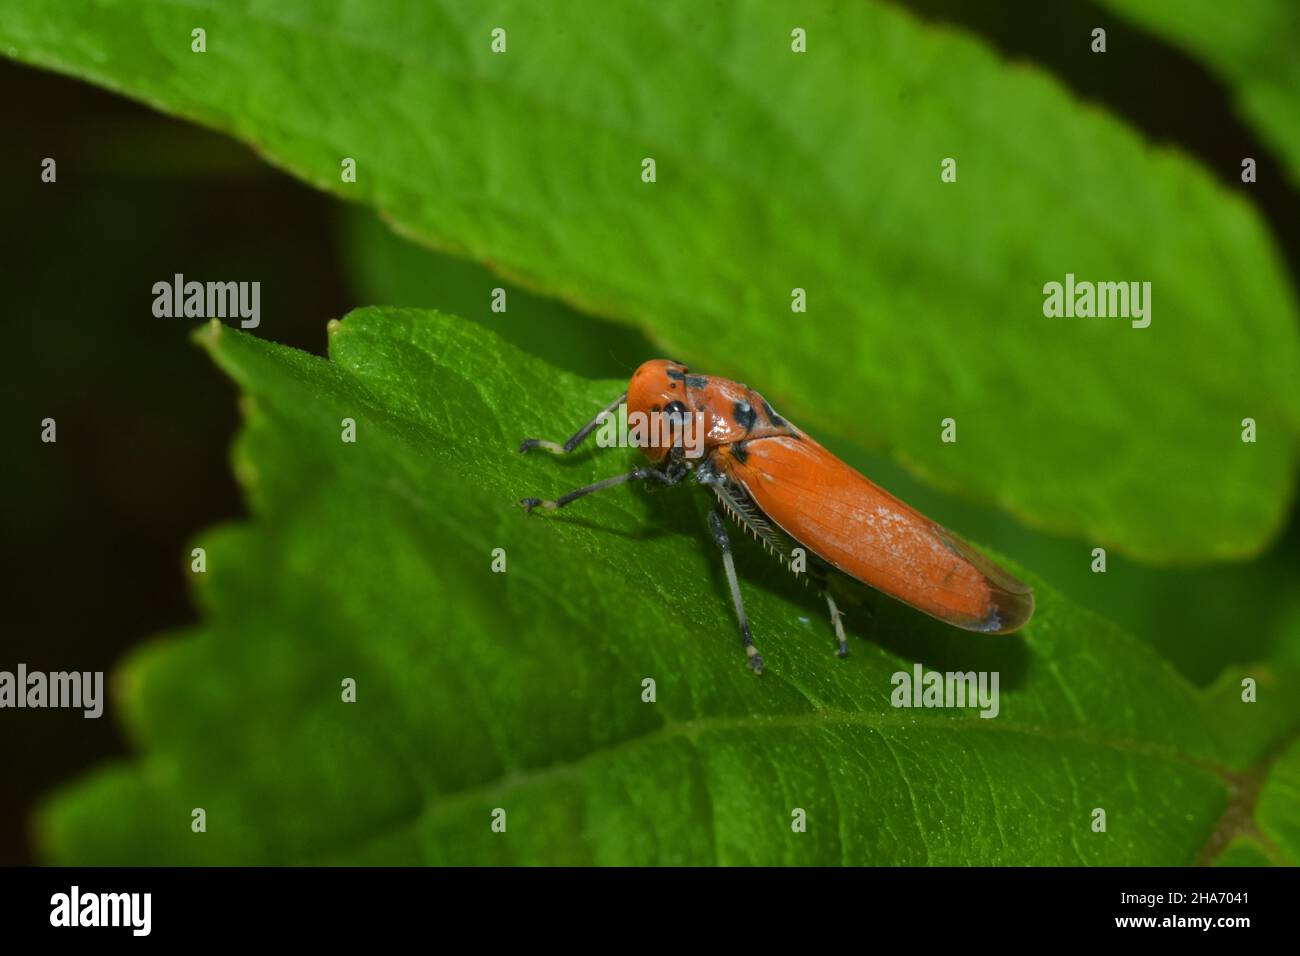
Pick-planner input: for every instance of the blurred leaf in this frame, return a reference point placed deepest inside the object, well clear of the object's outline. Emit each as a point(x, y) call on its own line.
point(1252, 47)
point(386, 270)
point(779, 170)
point(1244, 852)
point(1278, 820)
point(522, 690)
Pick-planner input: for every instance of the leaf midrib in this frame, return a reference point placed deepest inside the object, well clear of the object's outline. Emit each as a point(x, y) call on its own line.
point(692, 728)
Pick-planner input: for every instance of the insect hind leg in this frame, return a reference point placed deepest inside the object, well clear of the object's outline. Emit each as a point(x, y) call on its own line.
point(717, 527)
point(820, 578)
point(836, 616)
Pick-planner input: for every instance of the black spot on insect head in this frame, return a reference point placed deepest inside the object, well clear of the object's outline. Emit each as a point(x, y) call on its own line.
point(772, 416)
point(675, 374)
point(740, 451)
point(697, 381)
point(744, 414)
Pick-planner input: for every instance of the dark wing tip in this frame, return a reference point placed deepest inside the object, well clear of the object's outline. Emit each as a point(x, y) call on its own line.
point(1013, 599)
point(1011, 610)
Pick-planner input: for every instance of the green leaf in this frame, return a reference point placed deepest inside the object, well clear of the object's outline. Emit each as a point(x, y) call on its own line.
point(1277, 802)
point(1253, 49)
point(523, 690)
point(779, 170)
point(1186, 614)
point(1244, 852)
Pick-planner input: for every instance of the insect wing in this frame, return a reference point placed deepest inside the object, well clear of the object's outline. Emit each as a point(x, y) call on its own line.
point(870, 535)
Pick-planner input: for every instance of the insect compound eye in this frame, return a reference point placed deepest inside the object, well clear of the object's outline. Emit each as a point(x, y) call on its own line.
point(676, 413)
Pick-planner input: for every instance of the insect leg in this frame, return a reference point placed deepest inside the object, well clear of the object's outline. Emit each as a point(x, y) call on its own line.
point(836, 614)
point(719, 530)
point(664, 476)
point(577, 437)
point(818, 573)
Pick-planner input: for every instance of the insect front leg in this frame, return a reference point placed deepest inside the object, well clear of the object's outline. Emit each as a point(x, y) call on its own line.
point(669, 475)
point(577, 437)
point(719, 530)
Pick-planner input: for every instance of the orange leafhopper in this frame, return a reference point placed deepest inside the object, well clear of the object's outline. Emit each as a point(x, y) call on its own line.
point(791, 493)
